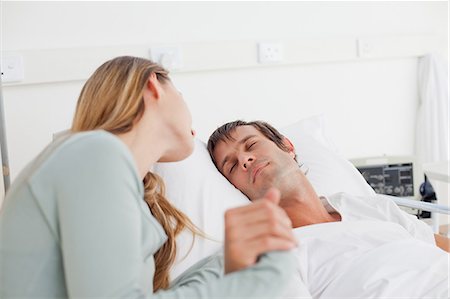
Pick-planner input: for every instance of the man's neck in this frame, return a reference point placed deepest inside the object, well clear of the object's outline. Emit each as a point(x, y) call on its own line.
point(301, 202)
point(306, 208)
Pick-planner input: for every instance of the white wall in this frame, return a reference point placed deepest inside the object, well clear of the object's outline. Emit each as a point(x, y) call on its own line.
point(371, 104)
point(2, 185)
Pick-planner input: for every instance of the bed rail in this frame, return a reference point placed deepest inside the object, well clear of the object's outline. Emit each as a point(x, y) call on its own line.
point(421, 205)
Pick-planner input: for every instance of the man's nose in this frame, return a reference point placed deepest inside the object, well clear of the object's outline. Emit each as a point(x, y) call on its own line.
point(245, 160)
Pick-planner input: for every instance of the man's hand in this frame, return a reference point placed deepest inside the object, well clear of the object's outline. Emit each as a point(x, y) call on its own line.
point(255, 229)
point(442, 242)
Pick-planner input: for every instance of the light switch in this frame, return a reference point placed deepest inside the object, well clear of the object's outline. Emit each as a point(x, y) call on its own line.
point(12, 69)
point(365, 48)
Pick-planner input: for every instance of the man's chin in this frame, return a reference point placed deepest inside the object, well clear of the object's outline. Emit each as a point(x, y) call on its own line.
point(261, 193)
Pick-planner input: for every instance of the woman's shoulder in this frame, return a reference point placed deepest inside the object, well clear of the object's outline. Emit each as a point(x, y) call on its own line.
point(84, 153)
point(89, 141)
point(77, 163)
point(93, 148)
point(85, 144)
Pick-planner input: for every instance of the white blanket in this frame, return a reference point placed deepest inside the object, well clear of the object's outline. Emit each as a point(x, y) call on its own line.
point(367, 259)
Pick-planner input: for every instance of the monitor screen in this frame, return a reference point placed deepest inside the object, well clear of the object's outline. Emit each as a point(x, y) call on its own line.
point(390, 179)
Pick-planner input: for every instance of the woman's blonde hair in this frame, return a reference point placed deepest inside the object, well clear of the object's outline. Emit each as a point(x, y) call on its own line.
point(112, 100)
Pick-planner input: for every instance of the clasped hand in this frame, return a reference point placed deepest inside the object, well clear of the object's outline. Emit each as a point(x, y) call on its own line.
point(254, 229)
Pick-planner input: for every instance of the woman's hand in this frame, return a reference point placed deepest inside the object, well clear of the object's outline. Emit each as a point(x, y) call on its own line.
point(255, 229)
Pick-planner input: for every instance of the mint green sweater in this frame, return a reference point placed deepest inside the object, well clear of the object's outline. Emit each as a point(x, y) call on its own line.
point(74, 224)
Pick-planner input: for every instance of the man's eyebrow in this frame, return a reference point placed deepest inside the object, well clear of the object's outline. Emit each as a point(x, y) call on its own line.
point(242, 141)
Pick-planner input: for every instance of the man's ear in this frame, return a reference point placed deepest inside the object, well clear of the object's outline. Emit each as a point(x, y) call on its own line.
point(153, 87)
point(290, 146)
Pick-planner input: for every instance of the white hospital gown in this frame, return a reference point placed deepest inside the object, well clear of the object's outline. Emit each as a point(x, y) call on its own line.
point(376, 251)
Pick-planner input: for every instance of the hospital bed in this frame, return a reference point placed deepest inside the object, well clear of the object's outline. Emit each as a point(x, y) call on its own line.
point(199, 190)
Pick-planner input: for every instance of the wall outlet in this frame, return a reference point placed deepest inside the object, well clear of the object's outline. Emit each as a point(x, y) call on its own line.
point(12, 68)
point(270, 52)
point(365, 48)
point(169, 57)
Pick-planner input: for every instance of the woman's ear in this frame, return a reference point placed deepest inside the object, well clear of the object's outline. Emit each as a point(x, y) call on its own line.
point(290, 146)
point(153, 87)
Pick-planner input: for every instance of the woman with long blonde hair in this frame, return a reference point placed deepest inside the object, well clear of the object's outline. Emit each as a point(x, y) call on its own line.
point(87, 218)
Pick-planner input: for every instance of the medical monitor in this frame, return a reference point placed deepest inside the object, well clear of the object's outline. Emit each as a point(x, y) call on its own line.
point(392, 175)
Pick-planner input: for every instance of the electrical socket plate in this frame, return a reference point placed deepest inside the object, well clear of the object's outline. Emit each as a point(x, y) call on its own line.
point(169, 57)
point(12, 68)
point(270, 52)
point(365, 48)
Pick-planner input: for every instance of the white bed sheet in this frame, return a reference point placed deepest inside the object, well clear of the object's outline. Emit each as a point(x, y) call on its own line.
point(367, 259)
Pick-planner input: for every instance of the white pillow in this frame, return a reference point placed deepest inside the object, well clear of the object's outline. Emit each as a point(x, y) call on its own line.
point(314, 126)
point(327, 170)
point(197, 188)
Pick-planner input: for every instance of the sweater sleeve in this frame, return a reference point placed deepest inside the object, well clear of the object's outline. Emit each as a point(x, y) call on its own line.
point(268, 278)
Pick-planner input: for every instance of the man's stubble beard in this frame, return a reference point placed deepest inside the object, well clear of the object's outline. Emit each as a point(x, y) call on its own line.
point(276, 177)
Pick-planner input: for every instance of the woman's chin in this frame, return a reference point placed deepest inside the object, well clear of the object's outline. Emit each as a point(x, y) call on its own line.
point(182, 152)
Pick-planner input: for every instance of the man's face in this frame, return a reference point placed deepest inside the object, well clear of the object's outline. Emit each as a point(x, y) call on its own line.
point(253, 163)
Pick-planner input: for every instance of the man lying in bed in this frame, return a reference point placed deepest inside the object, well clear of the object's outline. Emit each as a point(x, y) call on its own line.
point(348, 246)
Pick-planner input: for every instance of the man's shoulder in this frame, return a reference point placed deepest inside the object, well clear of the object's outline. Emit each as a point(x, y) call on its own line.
point(358, 205)
point(344, 196)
